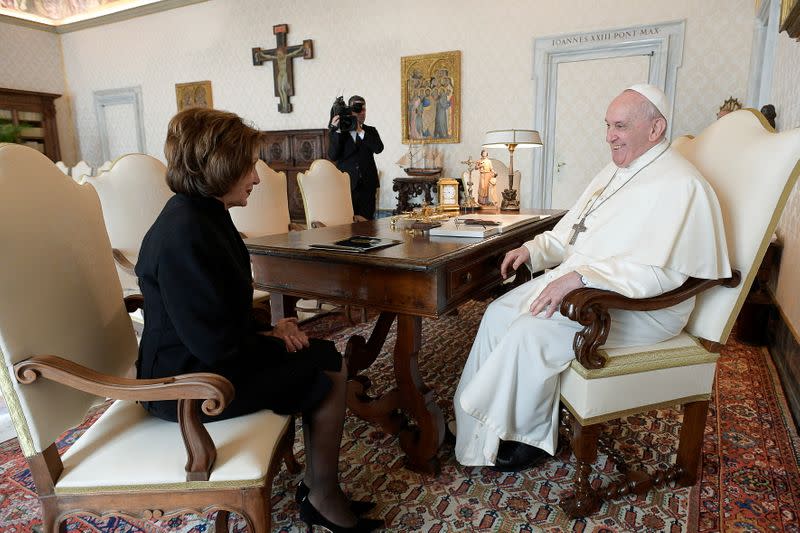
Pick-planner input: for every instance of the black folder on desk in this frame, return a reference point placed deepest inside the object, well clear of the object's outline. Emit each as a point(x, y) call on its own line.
point(357, 243)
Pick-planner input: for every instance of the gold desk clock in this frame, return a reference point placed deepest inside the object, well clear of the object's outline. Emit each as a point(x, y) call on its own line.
point(448, 194)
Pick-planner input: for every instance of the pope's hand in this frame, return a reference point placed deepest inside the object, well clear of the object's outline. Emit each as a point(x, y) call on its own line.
point(549, 300)
point(514, 258)
point(287, 330)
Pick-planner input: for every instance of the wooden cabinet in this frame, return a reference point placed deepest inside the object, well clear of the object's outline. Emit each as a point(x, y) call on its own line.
point(293, 151)
point(36, 113)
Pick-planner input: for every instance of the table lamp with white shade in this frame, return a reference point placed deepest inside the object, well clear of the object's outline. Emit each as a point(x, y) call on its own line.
point(511, 139)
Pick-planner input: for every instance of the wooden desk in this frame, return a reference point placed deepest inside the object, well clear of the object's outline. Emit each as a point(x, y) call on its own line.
point(421, 277)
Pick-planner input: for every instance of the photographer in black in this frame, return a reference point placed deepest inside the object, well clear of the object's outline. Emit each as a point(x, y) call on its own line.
point(352, 147)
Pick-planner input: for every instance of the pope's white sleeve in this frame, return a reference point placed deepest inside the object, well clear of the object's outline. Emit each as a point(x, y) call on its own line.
point(546, 250)
point(630, 279)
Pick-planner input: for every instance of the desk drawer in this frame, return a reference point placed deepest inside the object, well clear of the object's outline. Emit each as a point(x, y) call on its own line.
point(473, 277)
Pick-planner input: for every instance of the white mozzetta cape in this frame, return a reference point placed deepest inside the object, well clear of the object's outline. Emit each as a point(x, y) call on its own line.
point(667, 216)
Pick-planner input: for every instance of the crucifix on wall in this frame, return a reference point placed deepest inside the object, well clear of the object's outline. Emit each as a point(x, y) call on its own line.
point(281, 57)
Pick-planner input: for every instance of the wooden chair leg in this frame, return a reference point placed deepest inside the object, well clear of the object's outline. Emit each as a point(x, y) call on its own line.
point(221, 523)
point(50, 521)
point(584, 445)
point(288, 451)
point(691, 441)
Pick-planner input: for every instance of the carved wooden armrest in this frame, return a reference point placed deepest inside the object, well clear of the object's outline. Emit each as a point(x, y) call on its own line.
point(590, 308)
point(123, 262)
point(214, 391)
point(134, 302)
point(293, 226)
point(317, 224)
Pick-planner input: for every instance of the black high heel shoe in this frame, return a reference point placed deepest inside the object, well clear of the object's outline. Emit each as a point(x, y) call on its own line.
point(358, 507)
point(312, 517)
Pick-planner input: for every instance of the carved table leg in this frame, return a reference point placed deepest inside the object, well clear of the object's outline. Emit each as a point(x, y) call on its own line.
point(429, 193)
point(420, 441)
point(584, 445)
point(402, 197)
point(360, 354)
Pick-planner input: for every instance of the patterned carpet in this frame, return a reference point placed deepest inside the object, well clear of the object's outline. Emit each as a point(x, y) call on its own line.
point(750, 476)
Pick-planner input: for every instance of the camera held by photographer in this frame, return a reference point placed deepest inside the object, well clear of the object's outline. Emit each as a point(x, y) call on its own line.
point(352, 147)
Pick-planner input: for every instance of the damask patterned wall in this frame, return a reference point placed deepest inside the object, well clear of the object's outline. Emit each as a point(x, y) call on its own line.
point(786, 98)
point(31, 60)
point(357, 48)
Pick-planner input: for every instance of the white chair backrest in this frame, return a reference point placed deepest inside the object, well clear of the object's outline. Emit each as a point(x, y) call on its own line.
point(60, 293)
point(326, 194)
point(105, 167)
point(267, 209)
point(80, 171)
point(752, 170)
point(62, 167)
point(132, 193)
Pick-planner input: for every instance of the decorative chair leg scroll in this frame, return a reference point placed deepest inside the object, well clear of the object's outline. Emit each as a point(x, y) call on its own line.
point(586, 441)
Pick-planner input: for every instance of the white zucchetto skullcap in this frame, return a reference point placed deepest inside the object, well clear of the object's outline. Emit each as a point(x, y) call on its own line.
point(655, 95)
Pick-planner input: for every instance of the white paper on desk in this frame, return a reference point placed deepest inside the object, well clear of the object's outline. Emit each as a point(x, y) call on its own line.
point(450, 229)
point(455, 228)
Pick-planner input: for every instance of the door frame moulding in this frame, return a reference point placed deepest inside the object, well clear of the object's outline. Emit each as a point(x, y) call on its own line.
point(762, 55)
point(662, 42)
point(126, 96)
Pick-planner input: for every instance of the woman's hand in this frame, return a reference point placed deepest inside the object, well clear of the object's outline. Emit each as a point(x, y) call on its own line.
point(287, 330)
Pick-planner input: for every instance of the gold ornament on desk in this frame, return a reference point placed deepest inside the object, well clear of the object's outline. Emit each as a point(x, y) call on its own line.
point(448, 194)
point(420, 219)
point(470, 205)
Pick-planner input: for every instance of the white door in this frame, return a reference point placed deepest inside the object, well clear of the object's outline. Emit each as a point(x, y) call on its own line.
point(584, 90)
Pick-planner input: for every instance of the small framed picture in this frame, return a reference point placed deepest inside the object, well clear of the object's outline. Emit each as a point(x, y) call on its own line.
point(193, 94)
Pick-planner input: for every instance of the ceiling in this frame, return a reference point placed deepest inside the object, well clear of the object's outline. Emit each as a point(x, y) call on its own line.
point(68, 15)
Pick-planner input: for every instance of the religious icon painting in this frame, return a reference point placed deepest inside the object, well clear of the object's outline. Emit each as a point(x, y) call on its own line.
point(194, 94)
point(430, 100)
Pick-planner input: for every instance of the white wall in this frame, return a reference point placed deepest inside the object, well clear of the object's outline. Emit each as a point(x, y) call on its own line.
point(31, 60)
point(786, 98)
point(357, 49)
point(358, 46)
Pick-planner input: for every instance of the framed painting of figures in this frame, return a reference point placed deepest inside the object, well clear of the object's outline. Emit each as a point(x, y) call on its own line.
point(194, 94)
point(430, 101)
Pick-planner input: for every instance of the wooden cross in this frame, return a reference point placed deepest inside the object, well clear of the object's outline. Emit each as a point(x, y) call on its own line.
point(281, 57)
point(577, 228)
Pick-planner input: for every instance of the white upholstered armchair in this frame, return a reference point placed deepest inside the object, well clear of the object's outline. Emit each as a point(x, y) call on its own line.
point(326, 195)
point(132, 193)
point(327, 201)
point(752, 170)
point(66, 341)
point(267, 209)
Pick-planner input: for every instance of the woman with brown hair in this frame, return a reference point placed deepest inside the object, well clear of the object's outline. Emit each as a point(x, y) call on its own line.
point(194, 272)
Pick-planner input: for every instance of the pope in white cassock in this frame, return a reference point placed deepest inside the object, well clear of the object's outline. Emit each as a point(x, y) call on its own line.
point(646, 223)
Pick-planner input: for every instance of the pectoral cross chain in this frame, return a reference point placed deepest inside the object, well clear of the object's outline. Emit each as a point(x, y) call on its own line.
point(577, 228)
